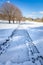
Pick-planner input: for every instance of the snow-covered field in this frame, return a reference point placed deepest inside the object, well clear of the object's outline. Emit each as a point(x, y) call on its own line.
point(21, 44)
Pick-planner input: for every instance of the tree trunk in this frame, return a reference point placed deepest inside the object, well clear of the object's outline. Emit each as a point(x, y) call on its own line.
point(19, 21)
point(9, 21)
point(13, 21)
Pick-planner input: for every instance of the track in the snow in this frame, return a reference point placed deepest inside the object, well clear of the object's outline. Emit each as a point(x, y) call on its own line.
point(32, 49)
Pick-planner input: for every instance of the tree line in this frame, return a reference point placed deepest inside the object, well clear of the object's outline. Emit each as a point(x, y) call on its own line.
point(10, 12)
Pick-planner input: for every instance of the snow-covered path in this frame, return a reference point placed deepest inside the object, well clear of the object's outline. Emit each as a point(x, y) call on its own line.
point(20, 48)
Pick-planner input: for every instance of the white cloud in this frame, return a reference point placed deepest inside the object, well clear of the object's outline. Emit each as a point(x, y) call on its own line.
point(36, 14)
point(8, 1)
point(41, 12)
point(32, 14)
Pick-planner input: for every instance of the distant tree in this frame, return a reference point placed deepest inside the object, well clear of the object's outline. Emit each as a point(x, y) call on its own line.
point(42, 19)
point(17, 15)
point(10, 11)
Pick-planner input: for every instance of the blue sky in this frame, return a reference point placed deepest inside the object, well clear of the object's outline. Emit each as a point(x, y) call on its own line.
point(29, 8)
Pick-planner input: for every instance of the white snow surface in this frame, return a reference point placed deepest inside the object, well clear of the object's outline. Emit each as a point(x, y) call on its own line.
point(17, 53)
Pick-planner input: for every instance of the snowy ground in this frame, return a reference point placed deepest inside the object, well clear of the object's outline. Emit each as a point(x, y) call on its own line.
point(17, 43)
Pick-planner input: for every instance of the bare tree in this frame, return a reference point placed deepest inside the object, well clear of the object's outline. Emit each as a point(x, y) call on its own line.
point(18, 15)
point(10, 11)
point(7, 9)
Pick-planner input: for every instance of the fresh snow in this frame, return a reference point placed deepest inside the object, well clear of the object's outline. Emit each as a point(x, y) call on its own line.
point(21, 44)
